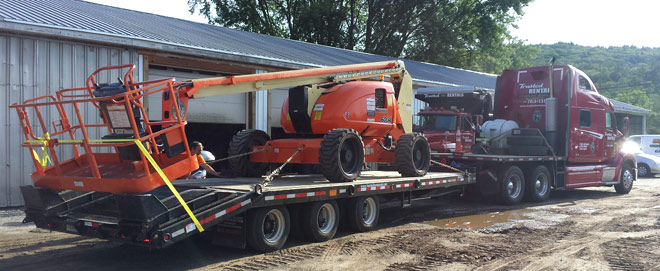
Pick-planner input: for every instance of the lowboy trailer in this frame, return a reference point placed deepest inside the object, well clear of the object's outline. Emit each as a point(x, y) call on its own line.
point(232, 211)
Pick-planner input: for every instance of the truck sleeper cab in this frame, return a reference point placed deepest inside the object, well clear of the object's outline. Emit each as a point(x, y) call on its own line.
point(568, 137)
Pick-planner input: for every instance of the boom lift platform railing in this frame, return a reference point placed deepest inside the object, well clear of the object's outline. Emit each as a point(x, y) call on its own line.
point(113, 163)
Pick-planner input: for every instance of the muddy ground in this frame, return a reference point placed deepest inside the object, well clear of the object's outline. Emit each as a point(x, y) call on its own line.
point(584, 229)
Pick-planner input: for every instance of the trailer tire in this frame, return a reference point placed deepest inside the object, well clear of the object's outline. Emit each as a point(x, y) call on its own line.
point(240, 144)
point(643, 170)
point(512, 185)
point(626, 179)
point(412, 155)
point(362, 213)
point(341, 155)
point(268, 228)
point(319, 220)
point(538, 184)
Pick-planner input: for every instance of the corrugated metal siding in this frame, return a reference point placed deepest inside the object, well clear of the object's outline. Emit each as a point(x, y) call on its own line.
point(36, 67)
point(143, 27)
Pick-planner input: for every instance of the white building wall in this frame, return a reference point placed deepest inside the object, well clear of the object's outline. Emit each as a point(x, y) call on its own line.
point(32, 67)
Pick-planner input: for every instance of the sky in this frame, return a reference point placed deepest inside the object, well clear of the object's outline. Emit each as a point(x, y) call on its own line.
point(583, 22)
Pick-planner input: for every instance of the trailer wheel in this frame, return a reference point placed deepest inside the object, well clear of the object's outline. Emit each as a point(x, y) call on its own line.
point(626, 181)
point(240, 144)
point(267, 228)
point(412, 155)
point(362, 213)
point(341, 155)
point(320, 220)
point(512, 185)
point(643, 170)
point(538, 184)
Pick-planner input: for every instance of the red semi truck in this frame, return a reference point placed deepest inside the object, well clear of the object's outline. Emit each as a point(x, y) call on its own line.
point(551, 130)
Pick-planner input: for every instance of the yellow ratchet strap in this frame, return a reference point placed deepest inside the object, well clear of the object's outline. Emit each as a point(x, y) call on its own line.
point(44, 142)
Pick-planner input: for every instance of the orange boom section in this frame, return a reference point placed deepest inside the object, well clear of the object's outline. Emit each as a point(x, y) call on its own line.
point(99, 137)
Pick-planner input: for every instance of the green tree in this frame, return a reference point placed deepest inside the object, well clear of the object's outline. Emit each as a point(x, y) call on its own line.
point(459, 33)
point(628, 74)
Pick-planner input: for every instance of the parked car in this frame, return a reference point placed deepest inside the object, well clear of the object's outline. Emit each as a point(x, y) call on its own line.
point(647, 164)
point(649, 144)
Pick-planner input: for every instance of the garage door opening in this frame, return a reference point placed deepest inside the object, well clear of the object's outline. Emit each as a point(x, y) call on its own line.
point(215, 138)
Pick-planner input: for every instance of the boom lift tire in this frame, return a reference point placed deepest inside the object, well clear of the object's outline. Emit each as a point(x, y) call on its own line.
point(319, 220)
point(538, 184)
point(362, 213)
point(267, 228)
point(412, 155)
point(626, 180)
point(341, 155)
point(512, 185)
point(240, 144)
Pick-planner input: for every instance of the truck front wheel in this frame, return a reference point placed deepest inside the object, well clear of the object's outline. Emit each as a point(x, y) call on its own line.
point(626, 179)
point(538, 184)
point(512, 185)
point(267, 228)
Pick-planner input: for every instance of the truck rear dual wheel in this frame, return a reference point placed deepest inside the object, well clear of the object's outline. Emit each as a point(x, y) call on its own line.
point(341, 155)
point(268, 228)
point(319, 220)
point(240, 144)
point(626, 180)
point(512, 185)
point(412, 156)
point(538, 184)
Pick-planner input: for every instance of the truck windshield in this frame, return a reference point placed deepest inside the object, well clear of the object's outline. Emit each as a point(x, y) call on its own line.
point(438, 122)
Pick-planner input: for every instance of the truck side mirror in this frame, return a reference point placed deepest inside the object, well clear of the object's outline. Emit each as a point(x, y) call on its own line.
point(626, 121)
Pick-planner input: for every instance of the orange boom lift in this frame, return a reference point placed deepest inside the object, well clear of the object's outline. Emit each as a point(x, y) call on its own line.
point(340, 121)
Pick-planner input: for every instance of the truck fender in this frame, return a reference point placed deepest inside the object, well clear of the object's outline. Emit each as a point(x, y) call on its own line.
point(620, 159)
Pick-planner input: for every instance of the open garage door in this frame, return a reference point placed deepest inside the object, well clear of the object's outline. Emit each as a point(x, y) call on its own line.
point(228, 109)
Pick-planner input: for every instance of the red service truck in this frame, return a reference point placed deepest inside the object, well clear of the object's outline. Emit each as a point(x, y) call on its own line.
point(453, 116)
point(551, 130)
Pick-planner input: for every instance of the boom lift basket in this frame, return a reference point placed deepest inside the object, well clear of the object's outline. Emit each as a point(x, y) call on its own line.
point(67, 158)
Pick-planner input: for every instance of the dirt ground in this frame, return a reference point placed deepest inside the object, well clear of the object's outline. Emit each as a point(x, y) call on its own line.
point(584, 229)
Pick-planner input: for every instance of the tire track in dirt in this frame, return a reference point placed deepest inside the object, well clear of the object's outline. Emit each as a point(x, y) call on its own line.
point(576, 245)
point(275, 259)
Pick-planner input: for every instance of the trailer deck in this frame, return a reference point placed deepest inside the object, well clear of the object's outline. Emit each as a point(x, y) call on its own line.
point(495, 157)
point(156, 219)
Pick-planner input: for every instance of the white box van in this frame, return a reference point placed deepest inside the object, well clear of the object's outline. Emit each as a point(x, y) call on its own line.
point(650, 144)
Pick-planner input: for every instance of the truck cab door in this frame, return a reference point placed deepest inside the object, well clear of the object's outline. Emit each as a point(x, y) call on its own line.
point(590, 140)
point(610, 135)
point(467, 134)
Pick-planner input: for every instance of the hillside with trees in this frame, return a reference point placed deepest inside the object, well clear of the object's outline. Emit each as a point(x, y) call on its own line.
point(628, 74)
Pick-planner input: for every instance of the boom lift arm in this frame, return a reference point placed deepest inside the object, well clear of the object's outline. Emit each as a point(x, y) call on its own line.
point(399, 77)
